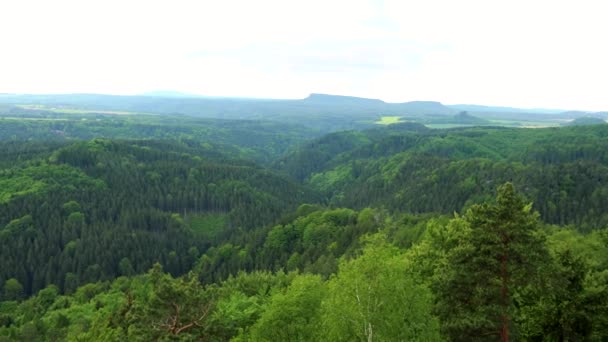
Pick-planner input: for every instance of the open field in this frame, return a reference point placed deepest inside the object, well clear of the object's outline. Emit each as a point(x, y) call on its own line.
point(207, 225)
point(387, 120)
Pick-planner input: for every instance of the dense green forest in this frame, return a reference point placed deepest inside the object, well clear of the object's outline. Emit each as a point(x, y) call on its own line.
point(123, 226)
point(414, 169)
point(90, 207)
point(261, 141)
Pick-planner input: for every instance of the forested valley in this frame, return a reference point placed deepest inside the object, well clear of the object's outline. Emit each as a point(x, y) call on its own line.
point(141, 227)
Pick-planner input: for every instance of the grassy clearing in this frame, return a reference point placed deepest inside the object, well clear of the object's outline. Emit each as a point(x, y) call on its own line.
point(207, 226)
point(388, 120)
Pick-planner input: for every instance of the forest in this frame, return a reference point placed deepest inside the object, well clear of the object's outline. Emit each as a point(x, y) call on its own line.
point(121, 223)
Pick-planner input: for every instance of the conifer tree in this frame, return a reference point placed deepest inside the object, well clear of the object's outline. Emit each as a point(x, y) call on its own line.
point(501, 252)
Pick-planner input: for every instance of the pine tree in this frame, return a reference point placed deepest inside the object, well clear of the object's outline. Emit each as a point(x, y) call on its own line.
point(500, 253)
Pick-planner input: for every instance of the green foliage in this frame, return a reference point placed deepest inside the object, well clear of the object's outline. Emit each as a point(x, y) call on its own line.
point(82, 221)
point(573, 303)
point(373, 299)
point(261, 141)
point(586, 120)
point(18, 186)
point(19, 225)
point(318, 112)
point(173, 307)
point(233, 313)
point(12, 289)
point(292, 315)
point(314, 156)
point(96, 203)
point(563, 171)
point(566, 314)
point(71, 207)
point(208, 226)
point(332, 179)
point(314, 241)
point(125, 267)
point(500, 254)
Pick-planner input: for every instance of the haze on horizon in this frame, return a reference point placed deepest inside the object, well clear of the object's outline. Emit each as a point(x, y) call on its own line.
point(530, 54)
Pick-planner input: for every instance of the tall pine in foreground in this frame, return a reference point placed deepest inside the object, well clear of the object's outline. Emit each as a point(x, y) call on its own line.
point(500, 253)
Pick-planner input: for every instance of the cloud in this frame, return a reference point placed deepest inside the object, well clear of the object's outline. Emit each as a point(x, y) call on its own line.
point(520, 53)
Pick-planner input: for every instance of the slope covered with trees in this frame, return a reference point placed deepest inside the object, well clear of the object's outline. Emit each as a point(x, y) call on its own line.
point(212, 230)
point(413, 169)
point(586, 120)
point(260, 141)
point(94, 210)
point(451, 283)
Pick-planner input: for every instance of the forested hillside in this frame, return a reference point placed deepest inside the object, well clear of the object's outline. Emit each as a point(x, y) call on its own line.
point(261, 141)
point(564, 172)
point(90, 211)
point(295, 171)
point(173, 228)
point(377, 277)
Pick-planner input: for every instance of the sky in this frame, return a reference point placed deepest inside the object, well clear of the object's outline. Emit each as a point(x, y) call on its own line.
point(521, 53)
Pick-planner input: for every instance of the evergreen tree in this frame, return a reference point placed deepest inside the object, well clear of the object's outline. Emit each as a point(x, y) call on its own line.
point(500, 253)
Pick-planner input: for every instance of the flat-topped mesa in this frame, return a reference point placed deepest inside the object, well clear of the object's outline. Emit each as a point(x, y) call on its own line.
point(425, 107)
point(385, 108)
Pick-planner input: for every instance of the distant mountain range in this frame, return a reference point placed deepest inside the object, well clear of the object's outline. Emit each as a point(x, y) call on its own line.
point(175, 102)
point(499, 109)
point(337, 112)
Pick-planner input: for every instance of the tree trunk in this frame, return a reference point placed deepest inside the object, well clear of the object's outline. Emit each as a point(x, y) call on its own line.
point(504, 331)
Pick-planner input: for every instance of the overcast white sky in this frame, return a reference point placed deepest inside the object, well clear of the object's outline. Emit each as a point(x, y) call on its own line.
point(526, 53)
